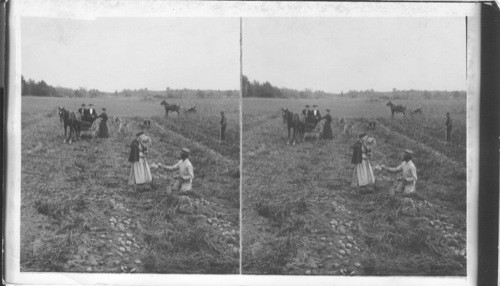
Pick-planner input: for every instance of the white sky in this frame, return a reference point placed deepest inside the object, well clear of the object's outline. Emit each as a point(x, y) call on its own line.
point(116, 53)
point(339, 54)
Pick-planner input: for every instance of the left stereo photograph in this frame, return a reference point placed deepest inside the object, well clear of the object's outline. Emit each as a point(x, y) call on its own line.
point(130, 145)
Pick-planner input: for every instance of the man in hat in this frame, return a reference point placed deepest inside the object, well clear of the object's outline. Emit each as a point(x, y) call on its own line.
point(407, 182)
point(82, 110)
point(91, 112)
point(448, 126)
point(316, 115)
point(307, 114)
point(306, 111)
point(223, 125)
point(184, 180)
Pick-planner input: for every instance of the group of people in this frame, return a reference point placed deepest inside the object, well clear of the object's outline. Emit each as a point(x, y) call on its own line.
point(363, 172)
point(90, 115)
point(140, 172)
point(313, 117)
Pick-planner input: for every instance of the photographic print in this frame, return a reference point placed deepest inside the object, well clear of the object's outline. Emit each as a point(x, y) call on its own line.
point(354, 146)
point(130, 145)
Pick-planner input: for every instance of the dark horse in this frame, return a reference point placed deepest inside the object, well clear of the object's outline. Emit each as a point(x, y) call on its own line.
point(69, 120)
point(396, 108)
point(170, 107)
point(292, 121)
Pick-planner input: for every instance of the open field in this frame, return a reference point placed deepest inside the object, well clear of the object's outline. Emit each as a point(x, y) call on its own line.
point(300, 215)
point(79, 215)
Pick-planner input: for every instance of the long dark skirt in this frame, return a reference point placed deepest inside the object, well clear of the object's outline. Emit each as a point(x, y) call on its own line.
point(327, 131)
point(103, 130)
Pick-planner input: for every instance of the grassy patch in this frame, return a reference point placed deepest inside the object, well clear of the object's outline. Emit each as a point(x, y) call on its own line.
point(271, 257)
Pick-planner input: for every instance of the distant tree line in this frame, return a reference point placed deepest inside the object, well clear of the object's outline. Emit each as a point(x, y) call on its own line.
point(41, 88)
point(266, 89)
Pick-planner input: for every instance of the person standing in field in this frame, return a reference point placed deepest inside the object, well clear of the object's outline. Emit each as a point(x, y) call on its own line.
point(407, 182)
point(91, 112)
point(223, 125)
point(305, 111)
point(139, 168)
point(327, 128)
point(103, 125)
point(184, 179)
point(448, 125)
point(363, 173)
point(82, 110)
point(316, 115)
point(307, 114)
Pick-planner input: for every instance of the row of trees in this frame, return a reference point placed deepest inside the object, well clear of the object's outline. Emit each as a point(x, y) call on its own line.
point(41, 88)
point(266, 89)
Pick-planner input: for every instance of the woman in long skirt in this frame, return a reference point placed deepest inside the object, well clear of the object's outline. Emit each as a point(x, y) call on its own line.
point(363, 173)
point(327, 128)
point(139, 168)
point(103, 125)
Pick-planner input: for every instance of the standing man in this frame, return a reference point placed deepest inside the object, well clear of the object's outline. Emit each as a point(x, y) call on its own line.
point(316, 114)
point(92, 112)
point(223, 125)
point(307, 114)
point(82, 110)
point(407, 182)
point(184, 180)
point(448, 126)
point(305, 111)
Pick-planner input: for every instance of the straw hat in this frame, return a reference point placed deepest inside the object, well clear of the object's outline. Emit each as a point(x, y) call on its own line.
point(185, 151)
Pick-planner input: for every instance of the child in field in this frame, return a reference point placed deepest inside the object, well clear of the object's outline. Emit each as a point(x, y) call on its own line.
point(184, 179)
point(407, 182)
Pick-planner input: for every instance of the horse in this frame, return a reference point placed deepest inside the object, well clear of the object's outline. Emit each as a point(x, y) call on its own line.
point(292, 121)
point(396, 108)
point(69, 120)
point(170, 107)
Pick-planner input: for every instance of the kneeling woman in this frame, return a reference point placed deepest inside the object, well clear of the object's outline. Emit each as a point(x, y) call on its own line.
point(139, 168)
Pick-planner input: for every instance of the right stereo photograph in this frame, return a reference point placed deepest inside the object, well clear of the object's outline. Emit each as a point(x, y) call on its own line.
point(354, 146)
